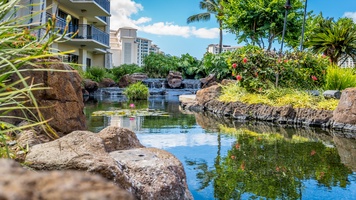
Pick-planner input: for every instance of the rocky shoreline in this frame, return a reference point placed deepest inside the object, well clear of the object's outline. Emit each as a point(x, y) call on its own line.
point(342, 119)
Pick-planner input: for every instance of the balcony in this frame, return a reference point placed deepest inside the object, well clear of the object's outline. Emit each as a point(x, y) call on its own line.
point(88, 8)
point(90, 32)
point(89, 36)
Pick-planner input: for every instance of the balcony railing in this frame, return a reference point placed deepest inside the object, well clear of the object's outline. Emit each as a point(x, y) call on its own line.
point(85, 31)
point(103, 18)
point(105, 4)
point(91, 32)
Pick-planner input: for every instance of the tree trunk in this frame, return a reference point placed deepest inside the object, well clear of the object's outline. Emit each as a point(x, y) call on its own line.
point(221, 36)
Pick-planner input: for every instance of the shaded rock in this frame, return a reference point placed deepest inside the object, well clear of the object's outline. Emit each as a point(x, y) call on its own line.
point(208, 81)
point(129, 79)
point(344, 116)
point(90, 86)
point(63, 102)
point(174, 79)
point(207, 94)
point(154, 173)
point(332, 94)
point(80, 150)
point(117, 138)
point(17, 183)
point(107, 82)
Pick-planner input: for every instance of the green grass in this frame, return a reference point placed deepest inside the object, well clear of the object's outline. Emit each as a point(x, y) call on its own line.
point(277, 97)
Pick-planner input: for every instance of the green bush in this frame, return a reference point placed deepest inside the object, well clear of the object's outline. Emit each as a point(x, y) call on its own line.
point(119, 72)
point(257, 69)
point(216, 64)
point(137, 91)
point(339, 78)
point(95, 73)
point(158, 65)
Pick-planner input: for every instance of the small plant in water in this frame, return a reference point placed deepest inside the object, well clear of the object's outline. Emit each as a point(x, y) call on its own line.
point(137, 91)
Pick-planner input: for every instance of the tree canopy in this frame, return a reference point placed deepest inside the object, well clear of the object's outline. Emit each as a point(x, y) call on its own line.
point(261, 21)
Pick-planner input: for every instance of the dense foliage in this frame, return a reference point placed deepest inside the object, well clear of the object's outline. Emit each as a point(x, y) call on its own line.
point(122, 70)
point(257, 22)
point(257, 69)
point(339, 78)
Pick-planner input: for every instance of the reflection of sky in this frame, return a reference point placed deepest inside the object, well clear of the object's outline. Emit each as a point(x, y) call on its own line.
point(192, 144)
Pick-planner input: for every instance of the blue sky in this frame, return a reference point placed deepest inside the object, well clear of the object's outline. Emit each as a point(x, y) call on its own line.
point(164, 22)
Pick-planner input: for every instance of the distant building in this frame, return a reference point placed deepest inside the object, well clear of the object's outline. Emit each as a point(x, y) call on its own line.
point(348, 63)
point(90, 18)
point(127, 48)
point(214, 48)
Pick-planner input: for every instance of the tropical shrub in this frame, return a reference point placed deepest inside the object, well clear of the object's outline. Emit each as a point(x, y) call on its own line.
point(216, 64)
point(122, 70)
point(257, 69)
point(159, 65)
point(190, 67)
point(137, 91)
point(339, 78)
point(95, 73)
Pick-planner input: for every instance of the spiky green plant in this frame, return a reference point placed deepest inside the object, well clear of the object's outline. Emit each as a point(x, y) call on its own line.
point(18, 48)
point(339, 78)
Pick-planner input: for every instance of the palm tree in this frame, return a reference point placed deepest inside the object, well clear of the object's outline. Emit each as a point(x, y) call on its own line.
point(212, 7)
point(334, 39)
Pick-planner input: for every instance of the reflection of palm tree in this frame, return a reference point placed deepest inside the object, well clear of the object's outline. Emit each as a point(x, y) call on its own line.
point(205, 176)
point(212, 7)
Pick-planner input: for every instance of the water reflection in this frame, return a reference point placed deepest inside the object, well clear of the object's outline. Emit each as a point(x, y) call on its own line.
point(227, 159)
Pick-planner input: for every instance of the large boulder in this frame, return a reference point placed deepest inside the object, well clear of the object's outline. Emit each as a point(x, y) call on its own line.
point(107, 82)
point(117, 138)
point(174, 79)
point(80, 150)
point(17, 183)
point(145, 172)
point(90, 86)
point(63, 101)
point(129, 79)
point(207, 94)
point(154, 173)
point(344, 116)
point(208, 81)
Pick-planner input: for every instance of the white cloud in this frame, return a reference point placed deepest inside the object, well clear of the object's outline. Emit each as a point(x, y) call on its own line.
point(122, 10)
point(162, 28)
point(206, 33)
point(351, 15)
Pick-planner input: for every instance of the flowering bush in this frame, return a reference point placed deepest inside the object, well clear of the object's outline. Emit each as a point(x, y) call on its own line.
point(257, 69)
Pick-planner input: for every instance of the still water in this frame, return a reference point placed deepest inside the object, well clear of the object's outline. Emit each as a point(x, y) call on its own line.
point(226, 159)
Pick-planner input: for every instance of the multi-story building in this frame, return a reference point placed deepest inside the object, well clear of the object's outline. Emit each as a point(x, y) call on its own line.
point(346, 62)
point(90, 18)
point(143, 49)
point(123, 46)
point(214, 48)
point(127, 48)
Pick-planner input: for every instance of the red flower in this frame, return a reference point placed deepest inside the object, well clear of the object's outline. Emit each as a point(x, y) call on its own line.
point(285, 61)
point(234, 65)
point(314, 78)
point(233, 157)
point(324, 56)
point(256, 74)
point(277, 169)
point(242, 166)
point(313, 152)
point(238, 77)
point(237, 146)
point(245, 60)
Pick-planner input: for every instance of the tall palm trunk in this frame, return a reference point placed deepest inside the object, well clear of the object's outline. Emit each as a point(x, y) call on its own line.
point(221, 36)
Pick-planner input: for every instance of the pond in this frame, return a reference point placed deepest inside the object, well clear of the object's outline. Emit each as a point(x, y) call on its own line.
point(227, 159)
